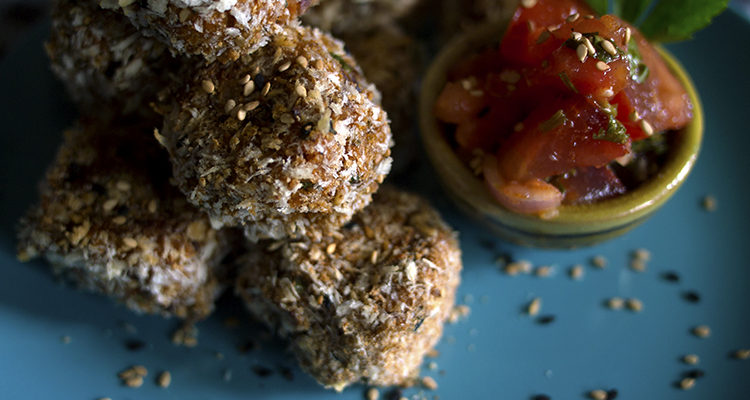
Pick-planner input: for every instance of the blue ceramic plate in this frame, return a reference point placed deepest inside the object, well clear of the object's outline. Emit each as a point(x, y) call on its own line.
point(497, 353)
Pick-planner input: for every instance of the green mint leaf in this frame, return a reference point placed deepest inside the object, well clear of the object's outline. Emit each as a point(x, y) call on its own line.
point(600, 6)
point(631, 10)
point(674, 20)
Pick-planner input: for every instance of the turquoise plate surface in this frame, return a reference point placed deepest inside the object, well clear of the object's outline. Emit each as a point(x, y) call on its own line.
point(497, 353)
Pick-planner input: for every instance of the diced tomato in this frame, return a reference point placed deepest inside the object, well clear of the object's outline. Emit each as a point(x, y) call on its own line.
point(520, 41)
point(660, 99)
point(456, 104)
point(489, 130)
point(587, 185)
point(552, 144)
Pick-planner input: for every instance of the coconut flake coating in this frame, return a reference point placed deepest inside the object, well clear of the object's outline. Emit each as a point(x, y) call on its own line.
point(215, 29)
point(287, 141)
point(364, 304)
point(392, 60)
point(348, 16)
point(109, 221)
point(102, 59)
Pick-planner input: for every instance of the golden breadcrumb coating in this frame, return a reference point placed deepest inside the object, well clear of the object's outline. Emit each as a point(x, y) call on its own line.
point(102, 59)
point(215, 29)
point(109, 220)
point(366, 303)
point(392, 61)
point(287, 141)
point(348, 16)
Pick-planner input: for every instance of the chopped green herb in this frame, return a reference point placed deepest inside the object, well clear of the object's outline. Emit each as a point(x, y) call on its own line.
point(638, 69)
point(341, 61)
point(307, 184)
point(655, 144)
point(566, 80)
point(555, 121)
point(615, 132)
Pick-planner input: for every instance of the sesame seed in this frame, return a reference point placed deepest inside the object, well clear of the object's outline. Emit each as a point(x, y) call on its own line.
point(642, 254)
point(248, 88)
point(165, 378)
point(582, 52)
point(66, 339)
point(302, 61)
point(691, 296)
point(119, 220)
point(615, 303)
point(702, 331)
point(609, 47)
point(588, 16)
point(742, 354)
point(152, 206)
point(374, 256)
point(634, 305)
point(573, 17)
point(576, 36)
point(628, 33)
point(518, 267)
point(241, 114)
point(576, 272)
point(534, 306)
point(285, 66)
point(687, 383)
point(709, 203)
point(429, 383)
point(140, 370)
point(634, 116)
point(602, 66)
point(245, 79)
point(129, 243)
point(229, 106)
point(373, 394)
point(109, 205)
point(589, 46)
point(331, 248)
point(543, 271)
point(251, 105)
point(134, 382)
point(432, 353)
point(208, 86)
point(637, 265)
point(122, 186)
point(671, 276)
point(599, 262)
point(690, 359)
point(301, 91)
point(647, 128)
point(432, 365)
point(266, 88)
point(598, 394)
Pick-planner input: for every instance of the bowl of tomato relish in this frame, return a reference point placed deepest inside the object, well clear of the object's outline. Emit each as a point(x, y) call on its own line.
point(559, 128)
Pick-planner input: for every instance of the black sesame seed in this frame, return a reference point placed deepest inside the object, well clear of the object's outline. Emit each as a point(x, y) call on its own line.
point(260, 81)
point(691, 296)
point(540, 397)
point(134, 344)
point(694, 373)
point(286, 373)
point(394, 394)
point(98, 189)
point(545, 319)
point(262, 371)
point(247, 347)
point(670, 277)
point(612, 394)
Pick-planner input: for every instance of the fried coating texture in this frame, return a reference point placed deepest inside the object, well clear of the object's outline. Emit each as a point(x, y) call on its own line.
point(215, 29)
point(286, 141)
point(392, 60)
point(349, 16)
point(109, 221)
point(103, 60)
point(364, 304)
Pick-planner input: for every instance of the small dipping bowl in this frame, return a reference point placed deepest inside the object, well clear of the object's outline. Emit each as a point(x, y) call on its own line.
point(575, 225)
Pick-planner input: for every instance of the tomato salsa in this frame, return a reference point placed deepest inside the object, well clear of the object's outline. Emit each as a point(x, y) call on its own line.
point(569, 109)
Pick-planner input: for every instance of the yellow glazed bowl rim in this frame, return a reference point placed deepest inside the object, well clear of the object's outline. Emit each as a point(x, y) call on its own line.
point(580, 220)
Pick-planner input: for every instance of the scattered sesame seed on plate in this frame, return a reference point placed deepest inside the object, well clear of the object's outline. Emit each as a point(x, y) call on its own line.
point(534, 306)
point(709, 203)
point(702, 331)
point(690, 359)
point(599, 262)
point(615, 303)
point(372, 394)
point(164, 379)
point(543, 271)
point(598, 394)
point(576, 272)
point(429, 383)
point(687, 383)
point(742, 354)
point(634, 305)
